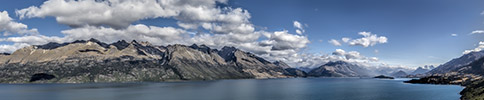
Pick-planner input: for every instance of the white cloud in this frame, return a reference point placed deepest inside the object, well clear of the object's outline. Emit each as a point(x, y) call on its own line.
point(334, 42)
point(119, 13)
point(11, 48)
point(297, 24)
point(299, 31)
point(33, 39)
point(8, 26)
point(477, 32)
point(339, 52)
point(353, 55)
point(345, 39)
point(312, 60)
point(112, 20)
point(366, 34)
point(479, 48)
point(454, 35)
point(282, 40)
point(374, 59)
point(299, 27)
point(141, 32)
point(368, 39)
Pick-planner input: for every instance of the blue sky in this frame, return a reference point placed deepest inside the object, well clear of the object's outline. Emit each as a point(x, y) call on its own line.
point(418, 32)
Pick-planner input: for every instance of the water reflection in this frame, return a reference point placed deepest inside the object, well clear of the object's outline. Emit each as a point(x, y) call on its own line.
point(273, 89)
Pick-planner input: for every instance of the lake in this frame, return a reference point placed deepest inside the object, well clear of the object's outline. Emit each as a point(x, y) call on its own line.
point(246, 89)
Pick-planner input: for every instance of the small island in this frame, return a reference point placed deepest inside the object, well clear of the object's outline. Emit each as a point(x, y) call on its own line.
point(383, 77)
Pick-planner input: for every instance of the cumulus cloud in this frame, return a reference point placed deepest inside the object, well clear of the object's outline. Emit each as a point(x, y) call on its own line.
point(13, 47)
point(33, 39)
point(479, 48)
point(8, 26)
point(477, 32)
point(282, 40)
point(214, 26)
point(339, 52)
point(345, 39)
point(334, 42)
point(352, 55)
point(118, 15)
point(299, 27)
point(368, 39)
point(312, 60)
point(115, 13)
point(154, 34)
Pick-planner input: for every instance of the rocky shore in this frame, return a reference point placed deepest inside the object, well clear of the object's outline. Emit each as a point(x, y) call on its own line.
point(474, 84)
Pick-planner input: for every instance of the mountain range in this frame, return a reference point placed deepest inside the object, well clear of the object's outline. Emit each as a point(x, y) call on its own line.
point(422, 70)
point(399, 74)
point(348, 69)
point(85, 61)
point(455, 64)
point(340, 69)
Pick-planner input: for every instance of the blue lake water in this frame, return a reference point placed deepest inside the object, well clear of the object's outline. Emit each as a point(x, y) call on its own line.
point(248, 89)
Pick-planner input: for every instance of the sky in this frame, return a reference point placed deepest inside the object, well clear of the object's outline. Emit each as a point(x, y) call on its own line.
point(406, 33)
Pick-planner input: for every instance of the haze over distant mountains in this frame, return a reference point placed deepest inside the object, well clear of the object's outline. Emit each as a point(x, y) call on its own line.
point(422, 70)
point(347, 69)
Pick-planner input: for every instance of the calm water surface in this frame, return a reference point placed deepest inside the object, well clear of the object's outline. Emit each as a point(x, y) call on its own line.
point(271, 89)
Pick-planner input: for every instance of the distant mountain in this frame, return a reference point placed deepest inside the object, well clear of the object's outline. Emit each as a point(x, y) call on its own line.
point(282, 64)
point(457, 63)
point(94, 61)
point(295, 72)
point(305, 69)
point(399, 74)
point(422, 70)
point(340, 69)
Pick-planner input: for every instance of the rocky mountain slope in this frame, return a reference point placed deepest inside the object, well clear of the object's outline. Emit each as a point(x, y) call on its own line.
point(468, 75)
point(340, 69)
point(457, 63)
point(296, 72)
point(94, 61)
point(476, 67)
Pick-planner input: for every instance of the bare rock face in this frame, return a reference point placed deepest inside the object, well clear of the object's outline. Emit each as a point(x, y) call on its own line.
point(94, 61)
